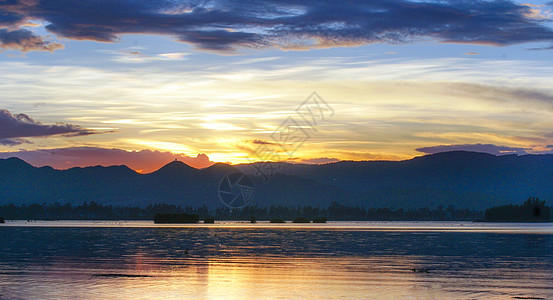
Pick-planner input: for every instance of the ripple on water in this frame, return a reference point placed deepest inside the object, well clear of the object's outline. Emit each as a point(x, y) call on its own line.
point(233, 262)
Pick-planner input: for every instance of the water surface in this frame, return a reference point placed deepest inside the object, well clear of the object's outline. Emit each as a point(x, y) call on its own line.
point(237, 260)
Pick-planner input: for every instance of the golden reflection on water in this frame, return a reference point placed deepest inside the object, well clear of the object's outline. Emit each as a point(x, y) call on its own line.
point(281, 278)
point(277, 278)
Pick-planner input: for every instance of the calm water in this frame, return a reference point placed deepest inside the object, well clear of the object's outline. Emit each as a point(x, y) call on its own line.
point(233, 260)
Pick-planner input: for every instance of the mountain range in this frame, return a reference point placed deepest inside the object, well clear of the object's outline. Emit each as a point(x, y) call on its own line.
point(463, 179)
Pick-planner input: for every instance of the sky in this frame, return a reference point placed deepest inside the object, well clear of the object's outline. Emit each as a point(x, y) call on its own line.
point(142, 83)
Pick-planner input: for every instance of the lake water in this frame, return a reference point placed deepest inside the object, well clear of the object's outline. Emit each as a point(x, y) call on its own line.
point(236, 260)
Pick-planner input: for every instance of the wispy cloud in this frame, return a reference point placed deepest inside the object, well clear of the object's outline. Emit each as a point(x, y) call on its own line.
point(537, 98)
point(226, 25)
point(135, 56)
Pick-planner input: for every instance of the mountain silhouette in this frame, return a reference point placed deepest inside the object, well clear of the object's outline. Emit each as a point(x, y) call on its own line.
point(175, 168)
point(459, 178)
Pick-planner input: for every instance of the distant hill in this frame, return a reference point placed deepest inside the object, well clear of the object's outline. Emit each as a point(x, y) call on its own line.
point(464, 179)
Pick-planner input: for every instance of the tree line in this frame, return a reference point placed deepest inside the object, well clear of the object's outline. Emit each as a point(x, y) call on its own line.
point(532, 210)
point(334, 212)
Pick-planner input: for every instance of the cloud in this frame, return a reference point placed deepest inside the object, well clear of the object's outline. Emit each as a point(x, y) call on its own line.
point(24, 40)
point(541, 48)
point(542, 99)
point(14, 127)
point(226, 25)
point(319, 161)
point(134, 56)
point(143, 161)
point(262, 142)
point(484, 148)
point(223, 40)
point(10, 19)
point(14, 142)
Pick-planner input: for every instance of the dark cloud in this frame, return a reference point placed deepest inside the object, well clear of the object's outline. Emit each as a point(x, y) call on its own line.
point(24, 40)
point(10, 19)
point(143, 161)
point(222, 40)
point(14, 142)
point(541, 48)
point(484, 148)
point(14, 127)
point(262, 142)
point(224, 25)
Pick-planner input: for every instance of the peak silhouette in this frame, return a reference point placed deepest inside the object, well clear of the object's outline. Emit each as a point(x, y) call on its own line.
point(175, 167)
point(220, 167)
point(14, 162)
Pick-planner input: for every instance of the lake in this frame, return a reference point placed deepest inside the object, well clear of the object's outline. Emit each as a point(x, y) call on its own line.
point(237, 260)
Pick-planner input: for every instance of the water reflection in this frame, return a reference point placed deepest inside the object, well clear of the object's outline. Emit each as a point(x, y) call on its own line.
point(271, 263)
